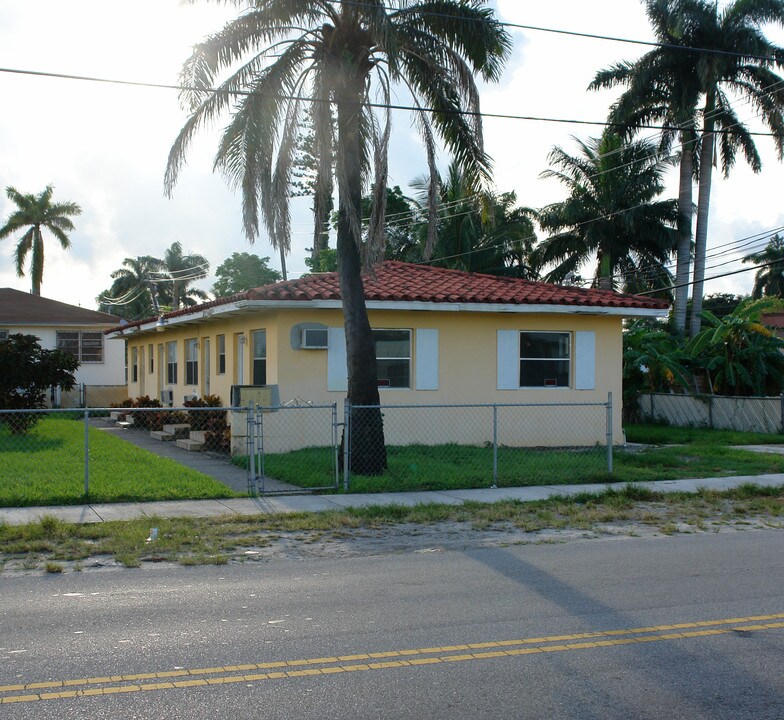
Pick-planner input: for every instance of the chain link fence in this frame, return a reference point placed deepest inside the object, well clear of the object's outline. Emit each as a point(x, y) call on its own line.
point(63, 456)
point(718, 412)
point(57, 456)
point(482, 445)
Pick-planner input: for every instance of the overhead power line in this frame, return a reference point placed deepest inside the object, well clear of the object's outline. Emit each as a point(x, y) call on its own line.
point(304, 98)
point(574, 33)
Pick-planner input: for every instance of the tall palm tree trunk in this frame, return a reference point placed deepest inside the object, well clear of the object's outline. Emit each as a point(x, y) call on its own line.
point(368, 453)
point(685, 210)
point(703, 209)
point(283, 262)
point(37, 262)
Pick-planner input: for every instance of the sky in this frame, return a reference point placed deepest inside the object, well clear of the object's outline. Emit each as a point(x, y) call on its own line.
point(105, 146)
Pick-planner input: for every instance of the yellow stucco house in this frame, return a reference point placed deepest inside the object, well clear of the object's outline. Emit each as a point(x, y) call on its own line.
point(442, 337)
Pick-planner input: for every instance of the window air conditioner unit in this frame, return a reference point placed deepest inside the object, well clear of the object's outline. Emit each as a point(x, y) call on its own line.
point(314, 338)
point(190, 398)
point(167, 397)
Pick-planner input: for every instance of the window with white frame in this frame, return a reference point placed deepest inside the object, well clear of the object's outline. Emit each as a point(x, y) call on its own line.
point(259, 338)
point(545, 359)
point(86, 347)
point(151, 360)
point(171, 363)
point(3, 334)
point(134, 364)
point(393, 357)
point(191, 362)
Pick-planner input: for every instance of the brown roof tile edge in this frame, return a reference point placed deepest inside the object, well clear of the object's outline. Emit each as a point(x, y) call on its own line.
point(395, 281)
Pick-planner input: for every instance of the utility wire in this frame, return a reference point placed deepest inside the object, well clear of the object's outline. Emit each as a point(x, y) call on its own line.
point(302, 98)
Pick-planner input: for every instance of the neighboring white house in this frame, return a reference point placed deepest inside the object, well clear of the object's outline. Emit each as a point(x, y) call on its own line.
point(101, 374)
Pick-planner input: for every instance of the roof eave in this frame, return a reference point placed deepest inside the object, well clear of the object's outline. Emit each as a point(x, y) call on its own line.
point(244, 306)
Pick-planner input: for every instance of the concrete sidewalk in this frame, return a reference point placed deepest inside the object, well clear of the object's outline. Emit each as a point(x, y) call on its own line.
point(320, 503)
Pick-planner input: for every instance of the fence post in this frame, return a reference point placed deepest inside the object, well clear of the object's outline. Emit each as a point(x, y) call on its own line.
point(249, 430)
point(346, 443)
point(710, 411)
point(335, 442)
point(495, 446)
point(86, 452)
point(609, 433)
point(781, 414)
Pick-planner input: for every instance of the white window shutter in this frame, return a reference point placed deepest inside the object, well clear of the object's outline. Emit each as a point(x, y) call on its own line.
point(426, 359)
point(508, 360)
point(585, 360)
point(337, 369)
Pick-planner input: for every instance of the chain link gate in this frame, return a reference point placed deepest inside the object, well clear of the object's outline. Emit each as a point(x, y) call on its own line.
point(278, 436)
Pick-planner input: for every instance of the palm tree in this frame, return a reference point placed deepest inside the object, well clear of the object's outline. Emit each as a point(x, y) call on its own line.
point(741, 63)
point(36, 213)
point(769, 279)
point(611, 213)
point(178, 271)
point(705, 54)
point(663, 87)
point(286, 55)
point(130, 295)
point(478, 231)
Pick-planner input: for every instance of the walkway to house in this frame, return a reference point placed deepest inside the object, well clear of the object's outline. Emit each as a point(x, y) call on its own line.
point(215, 466)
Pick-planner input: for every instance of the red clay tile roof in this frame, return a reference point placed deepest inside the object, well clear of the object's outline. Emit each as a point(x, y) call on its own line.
point(21, 308)
point(396, 281)
point(399, 281)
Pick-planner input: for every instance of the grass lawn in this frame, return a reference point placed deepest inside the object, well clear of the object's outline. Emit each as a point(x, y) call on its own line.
point(46, 467)
point(451, 467)
point(665, 434)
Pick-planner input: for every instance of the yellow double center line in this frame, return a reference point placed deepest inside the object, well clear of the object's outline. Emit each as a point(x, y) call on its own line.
point(282, 669)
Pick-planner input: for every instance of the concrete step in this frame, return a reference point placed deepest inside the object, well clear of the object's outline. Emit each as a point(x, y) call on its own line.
point(116, 415)
point(187, 444)
point(162, 436)
point(198, 435)
point(179, 430)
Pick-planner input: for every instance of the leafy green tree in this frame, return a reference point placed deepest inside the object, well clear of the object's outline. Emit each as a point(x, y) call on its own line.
point(241, 272)
point(654, 360)
point(129, 296)
point(769, 279)
point(37, 213)
point(611, 214)
point(27, 372)
point(344, 57)
point(327, 261)
point(738, 354)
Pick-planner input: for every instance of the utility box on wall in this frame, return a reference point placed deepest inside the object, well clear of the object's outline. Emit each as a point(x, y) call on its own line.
point(266, 396)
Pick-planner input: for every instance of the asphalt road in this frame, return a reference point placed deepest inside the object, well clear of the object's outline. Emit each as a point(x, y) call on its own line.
point(574, 630)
